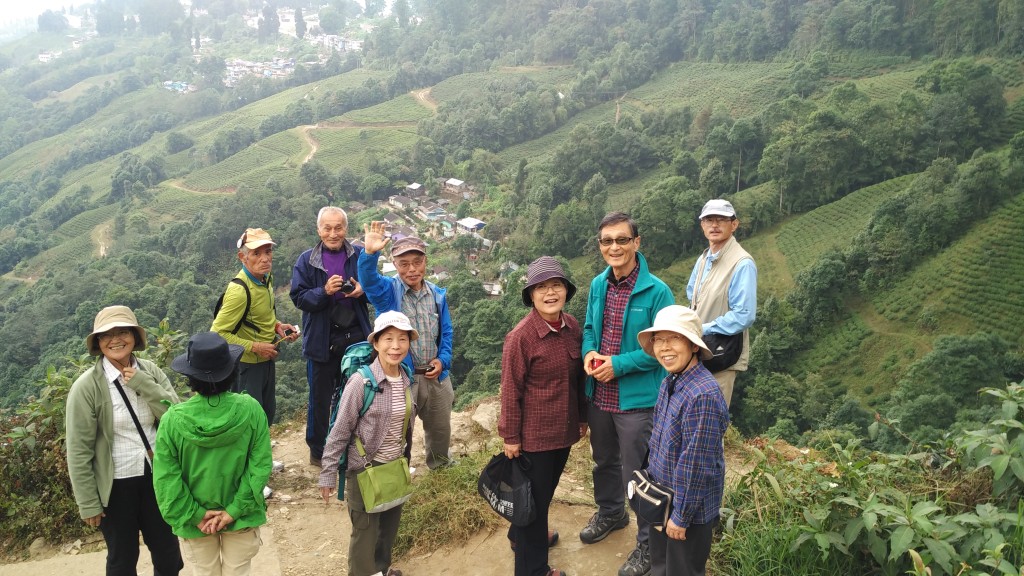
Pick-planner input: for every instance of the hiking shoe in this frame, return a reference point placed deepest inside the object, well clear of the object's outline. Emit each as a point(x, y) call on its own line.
point(555, 572)
point(639, 561)
point(552, 540)
point(599, 527)
point(314, 461)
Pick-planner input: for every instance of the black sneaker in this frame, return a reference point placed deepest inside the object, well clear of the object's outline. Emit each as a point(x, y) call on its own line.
point(639, 561)
point(599, 527)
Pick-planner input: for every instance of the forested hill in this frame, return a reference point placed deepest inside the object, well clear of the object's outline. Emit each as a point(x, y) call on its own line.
point(874, 149)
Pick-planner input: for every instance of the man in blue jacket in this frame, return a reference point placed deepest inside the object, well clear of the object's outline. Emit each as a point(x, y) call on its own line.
point(425, 304)
point(334, 315)
point(623, 381)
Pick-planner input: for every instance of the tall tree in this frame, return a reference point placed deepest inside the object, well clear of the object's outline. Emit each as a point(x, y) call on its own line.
point(51, 21)
point(300, 24)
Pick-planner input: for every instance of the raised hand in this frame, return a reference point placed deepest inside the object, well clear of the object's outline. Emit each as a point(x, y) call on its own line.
point(374, 240)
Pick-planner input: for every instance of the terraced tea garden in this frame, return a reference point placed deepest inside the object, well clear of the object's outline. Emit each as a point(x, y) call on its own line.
point(833, 226)
point(403, 109)
point(986, 265)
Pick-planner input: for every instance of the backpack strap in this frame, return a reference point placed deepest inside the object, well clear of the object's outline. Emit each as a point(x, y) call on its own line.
point(245, 313)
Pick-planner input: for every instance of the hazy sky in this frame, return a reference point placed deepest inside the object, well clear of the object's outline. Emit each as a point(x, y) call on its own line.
point(11, 10)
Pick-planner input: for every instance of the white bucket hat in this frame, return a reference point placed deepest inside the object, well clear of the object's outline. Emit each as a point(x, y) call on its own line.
point(678, 319)
point(394, 319)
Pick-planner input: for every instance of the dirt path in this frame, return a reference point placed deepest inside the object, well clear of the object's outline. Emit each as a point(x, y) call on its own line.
point(305, 537)
point(313, 144)
point(101, 237)
point(181, 186)
point(423, 97)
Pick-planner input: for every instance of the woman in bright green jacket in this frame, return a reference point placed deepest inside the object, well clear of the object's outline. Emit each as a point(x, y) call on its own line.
point(212, 461)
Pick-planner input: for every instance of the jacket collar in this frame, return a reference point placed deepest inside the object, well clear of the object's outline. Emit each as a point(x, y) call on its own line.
point(316, 257)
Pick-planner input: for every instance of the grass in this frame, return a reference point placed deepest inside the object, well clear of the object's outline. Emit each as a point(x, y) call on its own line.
point(833, 226)
point(352, 147)
point(452, 88)
point(984, 266)
point(445, 508)
point(404, 108)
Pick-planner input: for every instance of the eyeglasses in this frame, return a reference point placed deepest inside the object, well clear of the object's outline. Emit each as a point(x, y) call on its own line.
point(555, 286)
point(621, 241)
point(717, 220)
point(670, 339)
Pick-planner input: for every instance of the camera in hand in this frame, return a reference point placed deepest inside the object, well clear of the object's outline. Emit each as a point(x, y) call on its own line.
point(288, 332)
point(347, 287)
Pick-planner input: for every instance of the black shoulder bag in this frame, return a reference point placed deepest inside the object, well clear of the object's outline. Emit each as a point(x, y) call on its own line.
point(138, 426)
point(725, 348)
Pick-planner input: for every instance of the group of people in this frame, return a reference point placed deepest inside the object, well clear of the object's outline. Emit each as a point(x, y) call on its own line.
point(631, 375)
point(200, 477)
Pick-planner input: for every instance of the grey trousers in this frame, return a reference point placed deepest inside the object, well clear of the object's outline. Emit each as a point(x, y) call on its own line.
point(434, 399)
point(259, 381)
point(373, 535)
point(619, 443)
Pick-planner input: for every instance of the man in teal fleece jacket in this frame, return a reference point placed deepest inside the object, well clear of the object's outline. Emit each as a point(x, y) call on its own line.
point(623, 381)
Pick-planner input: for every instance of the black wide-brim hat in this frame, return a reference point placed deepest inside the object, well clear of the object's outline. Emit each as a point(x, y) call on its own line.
point(541, 270)
point(208, 357)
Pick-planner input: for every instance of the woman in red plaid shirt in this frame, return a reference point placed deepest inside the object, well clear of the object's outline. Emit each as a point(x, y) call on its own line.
point(543, 405)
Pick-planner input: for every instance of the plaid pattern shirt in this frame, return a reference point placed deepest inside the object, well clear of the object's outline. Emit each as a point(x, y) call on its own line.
point(542, 378)
point(606, 394)
point(686, 454)
point(421, 309)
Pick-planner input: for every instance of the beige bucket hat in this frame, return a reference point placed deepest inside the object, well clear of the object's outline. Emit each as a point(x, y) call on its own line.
point(114, 317)
point(678, 319)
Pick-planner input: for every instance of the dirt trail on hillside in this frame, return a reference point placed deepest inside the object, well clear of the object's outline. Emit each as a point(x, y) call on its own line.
point(423, 97)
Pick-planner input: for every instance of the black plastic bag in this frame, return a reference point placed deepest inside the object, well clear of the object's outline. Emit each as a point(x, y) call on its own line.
point(503, 484)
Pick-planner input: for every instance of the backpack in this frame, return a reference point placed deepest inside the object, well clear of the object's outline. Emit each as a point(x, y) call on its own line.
point(357, 358)
point(245, 313)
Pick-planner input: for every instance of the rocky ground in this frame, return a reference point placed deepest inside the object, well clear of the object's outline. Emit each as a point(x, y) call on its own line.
point(305, 537)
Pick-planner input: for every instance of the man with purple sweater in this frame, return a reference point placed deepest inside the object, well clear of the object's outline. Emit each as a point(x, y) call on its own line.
point(334, 316)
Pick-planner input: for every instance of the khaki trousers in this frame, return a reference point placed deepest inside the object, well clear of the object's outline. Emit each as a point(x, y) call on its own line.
point(726, 380)
point(224, 553)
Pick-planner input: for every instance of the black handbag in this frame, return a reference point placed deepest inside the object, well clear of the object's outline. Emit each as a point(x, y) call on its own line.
point(652, 501)
point(503, 484)
point(725, 350)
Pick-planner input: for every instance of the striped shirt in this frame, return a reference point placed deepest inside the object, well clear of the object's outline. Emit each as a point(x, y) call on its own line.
point(421, 309)
point(690, 420)
point(129, 452)
point(393, 444)
point(606, 394)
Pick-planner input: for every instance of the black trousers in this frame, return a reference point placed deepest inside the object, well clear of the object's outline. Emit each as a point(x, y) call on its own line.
point(681, 557)
point(132, 509)
point(324, 378)
point(532, 540)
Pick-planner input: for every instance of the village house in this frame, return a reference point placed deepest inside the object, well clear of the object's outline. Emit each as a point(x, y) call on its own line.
point(392, 220)
point(493, 289)
point(430, 211)
point(401, 202)
point(447, 226)
point(414, 190)
point(440, 274)
point(356, 207)
point(469, 225)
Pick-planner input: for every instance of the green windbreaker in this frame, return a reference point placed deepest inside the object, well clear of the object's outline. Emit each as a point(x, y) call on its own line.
point(212, 453)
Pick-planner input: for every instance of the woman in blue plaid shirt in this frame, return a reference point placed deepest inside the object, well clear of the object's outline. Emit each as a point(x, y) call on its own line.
point(686, 452)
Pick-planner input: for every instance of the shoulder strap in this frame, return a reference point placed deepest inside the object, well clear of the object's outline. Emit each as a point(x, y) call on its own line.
point(245, 313)
point(370, 388)
point(135, 419)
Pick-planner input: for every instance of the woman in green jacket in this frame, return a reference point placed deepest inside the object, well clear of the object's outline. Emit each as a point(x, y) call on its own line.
point(212, 462)
point(111, 426)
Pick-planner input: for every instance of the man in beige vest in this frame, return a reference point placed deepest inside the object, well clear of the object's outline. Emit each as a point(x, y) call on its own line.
point(723, 286)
